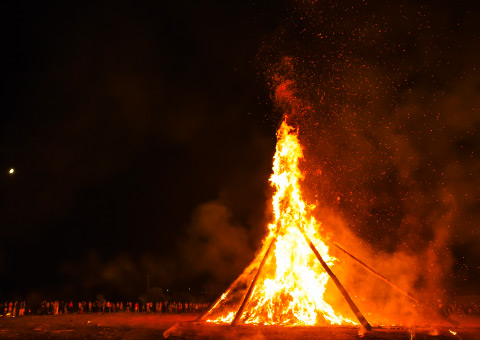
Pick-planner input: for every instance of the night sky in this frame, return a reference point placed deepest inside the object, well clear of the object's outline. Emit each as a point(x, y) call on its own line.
point(141, 136)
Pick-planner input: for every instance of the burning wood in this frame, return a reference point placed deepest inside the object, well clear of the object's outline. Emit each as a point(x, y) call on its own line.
point(289, 284)
point(285, 283)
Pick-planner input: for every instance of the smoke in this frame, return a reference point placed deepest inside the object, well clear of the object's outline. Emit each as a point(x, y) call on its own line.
point(216, 245)
point(386, 98)
point(223, 234)
point(120, 276)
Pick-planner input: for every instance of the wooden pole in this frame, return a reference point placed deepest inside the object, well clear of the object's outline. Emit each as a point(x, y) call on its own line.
point(337, 282)
point(380, 276)
point(221, 298)
point(252, 285)
point(383, 278)
point(215, 304)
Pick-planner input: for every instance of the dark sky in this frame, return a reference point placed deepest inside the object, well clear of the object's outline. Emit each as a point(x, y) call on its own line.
point(142, 134)
point(120, 120)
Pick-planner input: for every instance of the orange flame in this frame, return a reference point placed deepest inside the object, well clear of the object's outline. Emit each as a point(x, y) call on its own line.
point(292, 285)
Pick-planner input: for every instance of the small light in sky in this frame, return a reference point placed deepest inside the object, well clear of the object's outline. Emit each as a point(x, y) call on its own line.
point(11, 171)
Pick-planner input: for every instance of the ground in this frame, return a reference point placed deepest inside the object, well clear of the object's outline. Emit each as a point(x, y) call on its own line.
point(182, 326)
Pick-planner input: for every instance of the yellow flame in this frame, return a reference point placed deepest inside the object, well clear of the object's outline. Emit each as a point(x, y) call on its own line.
point(291, 288)
point(223, 319)
point(453, 332)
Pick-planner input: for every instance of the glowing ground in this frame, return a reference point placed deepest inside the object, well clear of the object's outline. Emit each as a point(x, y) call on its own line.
point(129, 326)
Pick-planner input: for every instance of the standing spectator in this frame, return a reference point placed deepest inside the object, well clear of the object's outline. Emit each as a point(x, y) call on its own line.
point(22, 308)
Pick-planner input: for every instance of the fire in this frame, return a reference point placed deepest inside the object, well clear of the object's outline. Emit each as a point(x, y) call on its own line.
point(291, 286)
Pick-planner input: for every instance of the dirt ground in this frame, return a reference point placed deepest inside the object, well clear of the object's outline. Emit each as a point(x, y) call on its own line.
point(182, 326)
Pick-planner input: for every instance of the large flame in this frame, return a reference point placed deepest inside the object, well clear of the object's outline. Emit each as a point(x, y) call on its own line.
point(291, 287)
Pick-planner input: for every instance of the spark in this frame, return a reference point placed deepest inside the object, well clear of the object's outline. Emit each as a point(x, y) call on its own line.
point(454, 333)
point(11, 171)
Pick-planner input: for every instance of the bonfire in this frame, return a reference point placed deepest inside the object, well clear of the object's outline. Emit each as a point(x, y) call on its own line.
point(287, 280)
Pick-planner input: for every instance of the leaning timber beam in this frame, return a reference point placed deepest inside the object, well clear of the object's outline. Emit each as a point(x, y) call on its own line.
point(240, 311)
point(215, 304)
point(375, 273)
point(384, 279)
point(337, 282)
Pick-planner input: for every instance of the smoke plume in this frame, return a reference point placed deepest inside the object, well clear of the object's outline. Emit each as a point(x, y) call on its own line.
point(386, 99)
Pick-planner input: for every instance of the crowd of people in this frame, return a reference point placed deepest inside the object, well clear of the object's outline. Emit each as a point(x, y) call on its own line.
point(21, 308)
